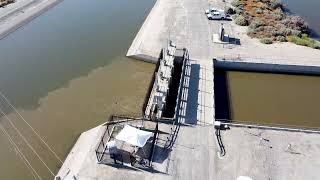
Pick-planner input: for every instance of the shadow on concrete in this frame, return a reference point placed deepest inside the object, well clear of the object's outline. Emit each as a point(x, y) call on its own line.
point(161, 154)
point(121, 166)
point(234, 41)
point(226, 19)
point(193, 91)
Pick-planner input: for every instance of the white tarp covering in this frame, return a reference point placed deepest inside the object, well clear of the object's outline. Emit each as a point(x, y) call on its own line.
point(134, 136)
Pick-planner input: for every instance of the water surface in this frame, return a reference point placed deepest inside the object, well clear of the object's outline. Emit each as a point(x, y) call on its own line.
point(265, 98)
point(66, 72)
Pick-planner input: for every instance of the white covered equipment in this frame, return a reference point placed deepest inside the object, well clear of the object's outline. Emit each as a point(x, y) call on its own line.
point(134, 136)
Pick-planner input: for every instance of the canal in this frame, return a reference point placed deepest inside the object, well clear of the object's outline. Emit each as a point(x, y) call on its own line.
point(265, 98)
point(308, 10)
point(66, 72)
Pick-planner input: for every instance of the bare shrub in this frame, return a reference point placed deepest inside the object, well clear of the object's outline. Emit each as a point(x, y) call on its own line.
point(266, 40)
point(296, 23)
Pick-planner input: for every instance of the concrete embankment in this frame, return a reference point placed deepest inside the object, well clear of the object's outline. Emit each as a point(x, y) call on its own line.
point(133, 50)
point(23, 14)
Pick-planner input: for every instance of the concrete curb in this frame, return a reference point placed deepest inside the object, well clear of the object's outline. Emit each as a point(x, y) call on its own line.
point(144, 57)
point(267, 67)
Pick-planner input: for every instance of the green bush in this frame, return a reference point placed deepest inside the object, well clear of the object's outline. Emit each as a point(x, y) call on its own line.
point(256, 23)
point(241, 21)
point(278, 16)
point(284, 31)
point(237, 3)
point(266, 40)
point(275, 4)
point(304, 40)
point(281, 38)
point(296, 33)
point(234, 17)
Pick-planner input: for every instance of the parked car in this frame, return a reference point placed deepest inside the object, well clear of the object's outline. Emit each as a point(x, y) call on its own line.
point(211, 10)
point(218, 15)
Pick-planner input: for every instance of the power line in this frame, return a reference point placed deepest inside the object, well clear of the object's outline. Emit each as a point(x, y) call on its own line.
point(34, 131)
point(26, 141)
point(21, 155)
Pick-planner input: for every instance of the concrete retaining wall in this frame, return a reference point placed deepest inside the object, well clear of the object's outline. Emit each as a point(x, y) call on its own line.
point(144, 57)
point(268, 68)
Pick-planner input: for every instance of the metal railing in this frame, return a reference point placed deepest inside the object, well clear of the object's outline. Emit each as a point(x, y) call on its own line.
point(153, 145)
point(269, 60)
point(109, 127)
point(100, 150)
point(271, 126)
point(175, 121)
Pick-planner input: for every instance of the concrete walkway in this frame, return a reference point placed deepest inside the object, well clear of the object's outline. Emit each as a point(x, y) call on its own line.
point(194, 155)
point(184, 23)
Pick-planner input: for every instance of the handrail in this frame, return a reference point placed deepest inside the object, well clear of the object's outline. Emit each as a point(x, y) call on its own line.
point(176, 123)
point(113, 119)
point(272, 126)
point(153, 145)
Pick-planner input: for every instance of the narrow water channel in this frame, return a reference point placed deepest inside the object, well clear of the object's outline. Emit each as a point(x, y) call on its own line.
point(66, 72)
point(265, 98)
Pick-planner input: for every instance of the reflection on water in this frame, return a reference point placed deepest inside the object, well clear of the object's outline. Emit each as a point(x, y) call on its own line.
point(66, 72)
point(291, 100)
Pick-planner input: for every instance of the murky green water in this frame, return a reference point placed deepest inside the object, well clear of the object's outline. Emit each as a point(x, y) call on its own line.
point(66, 72)
point(264, 98)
